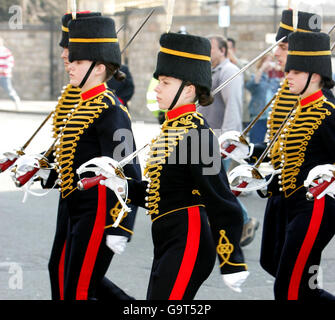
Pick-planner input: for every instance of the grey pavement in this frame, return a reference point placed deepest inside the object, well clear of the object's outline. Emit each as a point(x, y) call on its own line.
point(27, 231)
point(28, 107)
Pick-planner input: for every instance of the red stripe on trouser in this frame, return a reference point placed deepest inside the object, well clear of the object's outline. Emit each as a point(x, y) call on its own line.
point(93, 246)
point(190, 254)
point(312, 232)
point(61, 273)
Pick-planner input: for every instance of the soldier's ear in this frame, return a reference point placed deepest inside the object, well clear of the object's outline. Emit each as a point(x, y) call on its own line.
point(190, 90)
point(100, 69)
point(316, 78)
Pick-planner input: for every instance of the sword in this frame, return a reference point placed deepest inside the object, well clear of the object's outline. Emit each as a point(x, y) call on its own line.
point(27, 176)
point(138, 30)
point(247, 66)
point(243, 135)
point(6, 163)
point(169, 14)
point(242, 139)
point(87, 183)
point(23, 179)
point(73, 9)
point(255, 171)
point(120, 28)
point(315, 191)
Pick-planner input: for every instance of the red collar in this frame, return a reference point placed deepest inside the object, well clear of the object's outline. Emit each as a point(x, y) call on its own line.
point(174, 113)
point(313, 97)
point(93, 92)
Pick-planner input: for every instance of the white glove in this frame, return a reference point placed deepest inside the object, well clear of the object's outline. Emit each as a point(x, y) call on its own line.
point(116, 243)
point(324, 171)
point(116, 184)
point(9, 156)
point(235, 280)
point(252, 177)
point(27, 163)
point(241, 150)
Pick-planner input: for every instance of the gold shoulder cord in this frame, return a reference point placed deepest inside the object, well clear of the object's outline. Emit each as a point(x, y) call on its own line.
point(293, 143)
point(160, 149)
point(282, 105)
point(66, 104)
point(110, 97)
point(80, 119)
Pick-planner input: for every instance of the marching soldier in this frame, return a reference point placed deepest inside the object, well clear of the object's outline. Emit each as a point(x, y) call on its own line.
point(92, 129)
point(274, 249)
point(97, 125)
point(305, 141)
point(187, 197)
point(69, 98)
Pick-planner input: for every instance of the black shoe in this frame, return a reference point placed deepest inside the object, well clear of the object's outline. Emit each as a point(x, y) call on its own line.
point(249, 231)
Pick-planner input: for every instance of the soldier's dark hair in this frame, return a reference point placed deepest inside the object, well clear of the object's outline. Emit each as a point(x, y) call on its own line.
point(202, 95)
point(113, 70)
point(327, 83)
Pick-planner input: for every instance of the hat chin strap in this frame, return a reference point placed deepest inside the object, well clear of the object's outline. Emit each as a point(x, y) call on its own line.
point(183, 83)
point(307, 83)
point(82, 83)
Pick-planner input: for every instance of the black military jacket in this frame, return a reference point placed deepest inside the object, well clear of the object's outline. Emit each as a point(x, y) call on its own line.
point(306, 141)
point(95, 125)
point(283, 103)
point(184, 169)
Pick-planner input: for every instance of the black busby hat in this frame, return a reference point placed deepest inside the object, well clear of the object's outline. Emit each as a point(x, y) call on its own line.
point(94, 39)
point(309, 52)
point(64, 42)
point(185, 57)
point(307, 22)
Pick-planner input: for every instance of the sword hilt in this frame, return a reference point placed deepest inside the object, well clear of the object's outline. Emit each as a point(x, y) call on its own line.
point(313, 192)
point(22, 180)
point(88, 183)
point(243, 184)
point(5, 165)
point(229, 149)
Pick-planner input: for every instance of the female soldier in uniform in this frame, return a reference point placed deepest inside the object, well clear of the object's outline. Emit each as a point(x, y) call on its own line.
point(305, 141)
point(66, 104)
point(187, 193)
point(90, 130)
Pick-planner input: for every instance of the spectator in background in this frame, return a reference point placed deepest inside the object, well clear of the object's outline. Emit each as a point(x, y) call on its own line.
point(262, 86)
point(234, 59)
point(6, 67)
point(123, 89)
point(225, 113)
point(246, 77)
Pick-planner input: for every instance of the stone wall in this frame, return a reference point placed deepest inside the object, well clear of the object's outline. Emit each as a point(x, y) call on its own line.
point(38, 73)
point(36, 58)
point(249, 33)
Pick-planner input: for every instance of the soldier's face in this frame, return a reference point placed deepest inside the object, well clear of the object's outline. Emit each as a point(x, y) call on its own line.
point(167, 89)
point(296, 81)
point(281, 54)
point(65, 57)
point(77, 71)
